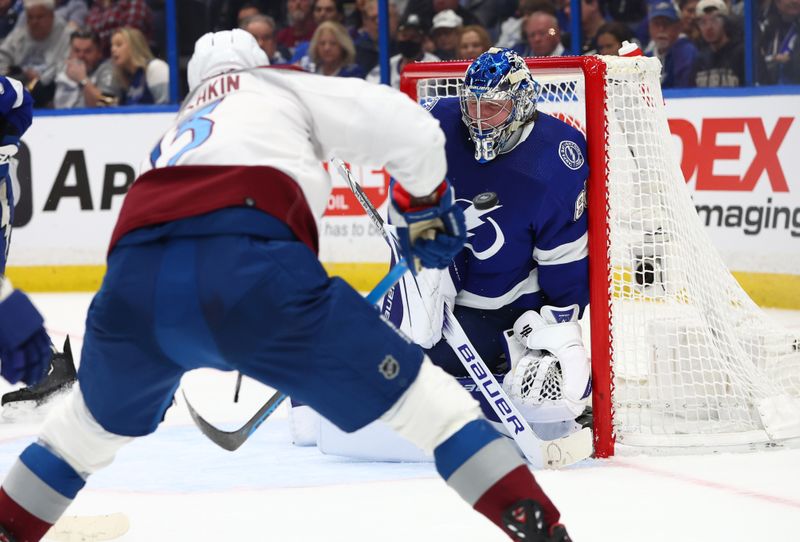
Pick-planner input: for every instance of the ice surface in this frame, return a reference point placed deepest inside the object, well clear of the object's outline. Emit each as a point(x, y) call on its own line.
point(177, 486)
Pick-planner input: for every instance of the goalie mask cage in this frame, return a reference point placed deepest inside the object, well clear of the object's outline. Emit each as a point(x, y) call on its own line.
point(682, 359)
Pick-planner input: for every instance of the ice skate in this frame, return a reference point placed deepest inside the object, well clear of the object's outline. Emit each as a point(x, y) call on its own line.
point(525, 521)
point(32, 401)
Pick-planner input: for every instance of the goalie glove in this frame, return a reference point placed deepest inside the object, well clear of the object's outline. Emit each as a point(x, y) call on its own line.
point(552, 372)
point(24, 345)
point(431, 229)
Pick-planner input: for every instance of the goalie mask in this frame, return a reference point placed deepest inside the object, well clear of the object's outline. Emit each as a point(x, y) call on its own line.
point(221, 52)
point(497, 99)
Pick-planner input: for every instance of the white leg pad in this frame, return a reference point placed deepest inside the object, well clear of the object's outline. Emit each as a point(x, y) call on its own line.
point(71, 432)
point(432, 409)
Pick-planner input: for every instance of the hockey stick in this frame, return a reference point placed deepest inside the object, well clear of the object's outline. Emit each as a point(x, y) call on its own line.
point(550, 453)
point(232, 440)
point(238, 388)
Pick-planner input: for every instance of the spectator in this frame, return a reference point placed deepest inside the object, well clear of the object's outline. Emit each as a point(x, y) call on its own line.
point(610, 37)
point(446, 25)
point(262, 27)
point(489, 13)
point(542, 36)
point(511, 33)
point(33, 53)
point(366, 39)
point(106, 16)
point(720, 60)
point(675, 51)
point(142, 78)
point(86, 80)
point(246, 11)
point(301, 24)
point(332, 52)
point(426, 9)
point(410, 36)
point(627, 11)
point(591, 20)
point(689, 19)
point(324, 10)
point(327, 10)
point(10, 12)
point(779, 61)
point(473, 40)
point(72, 11)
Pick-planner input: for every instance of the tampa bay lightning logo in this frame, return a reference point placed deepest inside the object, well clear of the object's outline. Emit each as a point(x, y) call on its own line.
point(570, 154)
point(429, 103)
point(476, 218)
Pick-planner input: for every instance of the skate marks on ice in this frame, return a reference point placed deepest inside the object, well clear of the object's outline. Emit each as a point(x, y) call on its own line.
point(89, 528)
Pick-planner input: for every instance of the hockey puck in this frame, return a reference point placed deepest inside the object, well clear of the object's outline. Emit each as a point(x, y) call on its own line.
point(485, 200)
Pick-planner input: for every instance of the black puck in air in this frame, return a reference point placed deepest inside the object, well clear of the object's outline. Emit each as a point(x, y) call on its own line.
point(485, 200)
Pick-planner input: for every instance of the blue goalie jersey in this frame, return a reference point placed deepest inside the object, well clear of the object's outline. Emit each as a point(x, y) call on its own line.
point(530, 248)
point(527, 250)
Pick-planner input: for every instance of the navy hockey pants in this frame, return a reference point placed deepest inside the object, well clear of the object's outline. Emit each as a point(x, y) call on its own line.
point(235, 302)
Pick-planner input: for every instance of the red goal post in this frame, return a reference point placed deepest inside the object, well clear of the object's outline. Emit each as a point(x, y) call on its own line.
point(682, 359)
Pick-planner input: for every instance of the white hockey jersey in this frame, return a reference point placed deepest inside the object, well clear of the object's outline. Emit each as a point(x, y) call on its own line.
point(261, 135)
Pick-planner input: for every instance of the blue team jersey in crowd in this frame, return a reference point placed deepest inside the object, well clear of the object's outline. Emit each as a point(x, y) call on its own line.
point(531, 248)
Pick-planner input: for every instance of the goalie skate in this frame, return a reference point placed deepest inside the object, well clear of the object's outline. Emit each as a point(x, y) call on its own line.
point(33, 401)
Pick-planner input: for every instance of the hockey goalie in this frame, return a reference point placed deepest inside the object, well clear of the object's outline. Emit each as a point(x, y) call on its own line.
point(520, 285)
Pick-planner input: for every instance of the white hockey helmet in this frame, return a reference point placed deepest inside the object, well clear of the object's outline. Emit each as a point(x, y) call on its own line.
point(221, 52)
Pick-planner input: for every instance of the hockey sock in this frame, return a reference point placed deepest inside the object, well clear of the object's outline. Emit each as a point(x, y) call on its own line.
point(488, 472)
point(36, 492)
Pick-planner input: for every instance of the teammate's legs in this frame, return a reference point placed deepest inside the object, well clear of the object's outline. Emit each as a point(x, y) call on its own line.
point(318, 340)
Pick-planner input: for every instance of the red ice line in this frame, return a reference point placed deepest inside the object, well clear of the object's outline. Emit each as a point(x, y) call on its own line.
point(709, 484)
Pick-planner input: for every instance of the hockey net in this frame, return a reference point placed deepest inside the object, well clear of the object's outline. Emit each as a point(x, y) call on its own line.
point(683, 360)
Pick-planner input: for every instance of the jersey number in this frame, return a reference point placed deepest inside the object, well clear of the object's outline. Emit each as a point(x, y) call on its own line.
point(200, 128)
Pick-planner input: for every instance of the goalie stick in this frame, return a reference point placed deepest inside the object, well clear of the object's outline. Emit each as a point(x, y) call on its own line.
point(232, 440)
point(540, 453)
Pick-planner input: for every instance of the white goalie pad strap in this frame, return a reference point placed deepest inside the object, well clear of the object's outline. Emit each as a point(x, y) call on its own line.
point(72, 433)
point(424, 302)
point(432, 409)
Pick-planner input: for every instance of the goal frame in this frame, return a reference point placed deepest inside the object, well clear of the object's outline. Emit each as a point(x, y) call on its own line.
point(597, 138)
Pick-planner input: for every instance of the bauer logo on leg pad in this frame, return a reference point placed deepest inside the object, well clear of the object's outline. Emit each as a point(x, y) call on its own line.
point(482, 378)
point(389, 367)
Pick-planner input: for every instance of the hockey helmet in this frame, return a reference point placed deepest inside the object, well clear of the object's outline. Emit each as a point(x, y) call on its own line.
point(221, 52)
point(498, 98)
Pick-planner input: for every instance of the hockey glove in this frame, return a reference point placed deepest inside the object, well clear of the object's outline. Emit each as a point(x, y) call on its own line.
point(431, 229)
point(24, 345)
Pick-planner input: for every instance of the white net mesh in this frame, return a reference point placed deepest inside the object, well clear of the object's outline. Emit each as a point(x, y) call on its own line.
point(695, 362)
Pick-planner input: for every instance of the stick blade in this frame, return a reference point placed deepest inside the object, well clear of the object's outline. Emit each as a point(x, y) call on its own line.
point(223, 439)
point(232, 440)
point(568, 450)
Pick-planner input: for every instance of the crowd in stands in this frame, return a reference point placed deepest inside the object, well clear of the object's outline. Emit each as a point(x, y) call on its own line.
point(89, 53)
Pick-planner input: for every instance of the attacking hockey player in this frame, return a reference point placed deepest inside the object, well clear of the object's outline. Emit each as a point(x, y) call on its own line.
point(25, 349)
point(213, 263)
point(521, 282)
